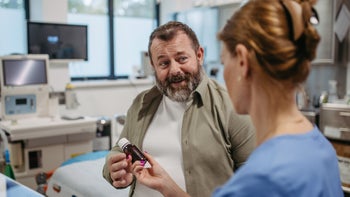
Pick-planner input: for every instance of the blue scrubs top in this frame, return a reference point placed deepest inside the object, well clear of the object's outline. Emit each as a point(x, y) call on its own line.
point(303, 165)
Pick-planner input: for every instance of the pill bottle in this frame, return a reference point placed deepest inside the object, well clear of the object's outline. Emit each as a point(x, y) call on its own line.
point(71, 97)
point(130, 149)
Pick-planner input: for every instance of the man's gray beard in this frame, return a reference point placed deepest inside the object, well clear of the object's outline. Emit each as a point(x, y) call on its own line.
point(184, 93)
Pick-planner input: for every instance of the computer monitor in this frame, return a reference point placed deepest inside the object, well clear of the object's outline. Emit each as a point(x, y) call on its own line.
point(59, 41)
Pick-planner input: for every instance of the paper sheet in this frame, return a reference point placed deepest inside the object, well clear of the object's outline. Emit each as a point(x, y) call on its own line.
point(342, 23)
point(2, 186)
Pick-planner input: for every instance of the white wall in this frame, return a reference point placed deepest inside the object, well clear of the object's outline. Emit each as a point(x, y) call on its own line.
point(168, 7)
point(48, 11)
point(106, 98)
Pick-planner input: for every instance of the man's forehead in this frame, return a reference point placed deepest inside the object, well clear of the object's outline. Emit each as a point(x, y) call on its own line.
point(178, 36)
point(175, 45)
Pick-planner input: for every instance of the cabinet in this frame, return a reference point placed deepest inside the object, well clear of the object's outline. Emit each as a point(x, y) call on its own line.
point(335, 121)
point(42, 144)
point(326, 48)
point(335, 124)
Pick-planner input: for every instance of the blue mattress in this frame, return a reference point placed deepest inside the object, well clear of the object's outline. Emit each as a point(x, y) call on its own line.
point(82, 176)
point(86, 157)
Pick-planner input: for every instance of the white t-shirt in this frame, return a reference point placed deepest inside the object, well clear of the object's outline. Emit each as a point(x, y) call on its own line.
point(163, 142)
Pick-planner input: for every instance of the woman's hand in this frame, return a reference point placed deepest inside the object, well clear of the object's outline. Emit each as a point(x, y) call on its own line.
point(156, 178)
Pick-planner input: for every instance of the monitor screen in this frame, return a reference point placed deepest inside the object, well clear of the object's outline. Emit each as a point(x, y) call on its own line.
point(20, 72)
point(59, 41)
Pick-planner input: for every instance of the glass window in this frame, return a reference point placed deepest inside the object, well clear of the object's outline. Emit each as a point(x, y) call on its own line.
point(204, 22)
point(13, 31)
point(94, 14)
point(134, 20)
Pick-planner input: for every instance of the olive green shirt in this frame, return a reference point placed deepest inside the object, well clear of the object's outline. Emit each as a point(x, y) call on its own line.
point(215, 140)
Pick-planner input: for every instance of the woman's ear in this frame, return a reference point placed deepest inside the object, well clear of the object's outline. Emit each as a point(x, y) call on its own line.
point(242, 56)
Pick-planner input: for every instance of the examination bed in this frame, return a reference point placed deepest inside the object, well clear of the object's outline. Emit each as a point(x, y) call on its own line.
point(81, 176)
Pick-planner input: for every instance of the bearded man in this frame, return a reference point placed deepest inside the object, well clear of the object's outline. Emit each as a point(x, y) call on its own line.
point(186, 121)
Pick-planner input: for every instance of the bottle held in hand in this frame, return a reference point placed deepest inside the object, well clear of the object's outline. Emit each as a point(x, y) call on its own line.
point(130, 149)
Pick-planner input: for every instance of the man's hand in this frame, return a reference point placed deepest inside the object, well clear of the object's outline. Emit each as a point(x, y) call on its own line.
point(119, 166)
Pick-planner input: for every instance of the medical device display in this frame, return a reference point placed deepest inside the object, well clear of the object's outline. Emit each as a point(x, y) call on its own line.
point(20, 104)
point(26, 71)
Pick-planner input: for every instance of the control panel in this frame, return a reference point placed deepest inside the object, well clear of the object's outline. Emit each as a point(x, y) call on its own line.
point(20, 104)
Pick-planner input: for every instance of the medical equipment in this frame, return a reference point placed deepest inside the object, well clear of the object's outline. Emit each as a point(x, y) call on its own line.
point(38, 139)
point(103, 140)
point(24, 86)
point(8, 168)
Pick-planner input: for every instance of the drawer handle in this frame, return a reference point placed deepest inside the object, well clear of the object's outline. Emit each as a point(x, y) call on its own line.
point(344, 113)
point(344, 129)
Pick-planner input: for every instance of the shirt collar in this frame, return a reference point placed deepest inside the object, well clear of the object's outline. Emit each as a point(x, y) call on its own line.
point(200, 92)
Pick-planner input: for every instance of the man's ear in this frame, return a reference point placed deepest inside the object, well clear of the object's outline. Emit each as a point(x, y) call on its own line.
point(200, 55)
point(242, 55)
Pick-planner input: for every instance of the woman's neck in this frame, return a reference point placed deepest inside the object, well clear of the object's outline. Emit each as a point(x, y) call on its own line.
point(278, 115)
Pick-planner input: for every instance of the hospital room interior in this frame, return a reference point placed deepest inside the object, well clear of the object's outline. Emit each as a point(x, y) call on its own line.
point(59, 122)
